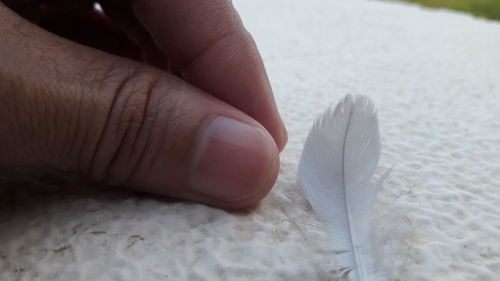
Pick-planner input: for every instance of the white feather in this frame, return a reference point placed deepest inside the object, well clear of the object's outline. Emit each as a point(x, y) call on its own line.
point(335, 171)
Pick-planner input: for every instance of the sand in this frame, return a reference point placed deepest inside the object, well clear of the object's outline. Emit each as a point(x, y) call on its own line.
point(435, 78)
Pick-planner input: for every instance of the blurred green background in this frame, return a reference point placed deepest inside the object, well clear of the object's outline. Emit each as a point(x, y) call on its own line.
point(481, 8)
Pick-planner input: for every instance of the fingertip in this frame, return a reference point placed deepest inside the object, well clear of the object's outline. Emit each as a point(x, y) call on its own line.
point(265, 189)
point(235, 163)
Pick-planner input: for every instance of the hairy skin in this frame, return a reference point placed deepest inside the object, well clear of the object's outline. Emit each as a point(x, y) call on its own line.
point(114, 116)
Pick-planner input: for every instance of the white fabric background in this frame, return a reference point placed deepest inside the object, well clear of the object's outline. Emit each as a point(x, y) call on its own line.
point(435, 78)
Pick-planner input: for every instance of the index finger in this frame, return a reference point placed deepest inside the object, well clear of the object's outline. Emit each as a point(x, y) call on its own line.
point(207, 41)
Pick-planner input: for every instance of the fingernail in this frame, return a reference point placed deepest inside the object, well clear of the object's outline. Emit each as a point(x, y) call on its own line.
point(232, 161)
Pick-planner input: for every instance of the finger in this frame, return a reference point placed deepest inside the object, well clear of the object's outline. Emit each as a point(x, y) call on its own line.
point(208, 42)
point(69, 107)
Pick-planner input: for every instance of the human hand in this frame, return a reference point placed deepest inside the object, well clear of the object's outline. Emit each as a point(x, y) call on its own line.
point(211, 137)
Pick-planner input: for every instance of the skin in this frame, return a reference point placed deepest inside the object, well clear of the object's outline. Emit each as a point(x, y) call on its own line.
point(127, 99)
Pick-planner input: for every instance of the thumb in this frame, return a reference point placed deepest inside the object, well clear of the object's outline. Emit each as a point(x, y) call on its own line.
point(72, 108)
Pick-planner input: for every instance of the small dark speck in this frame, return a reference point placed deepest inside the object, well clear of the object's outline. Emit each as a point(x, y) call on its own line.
point(137, 237)
point(75, 228)
point(61, 249)
point(98, 232)
point(133, 240)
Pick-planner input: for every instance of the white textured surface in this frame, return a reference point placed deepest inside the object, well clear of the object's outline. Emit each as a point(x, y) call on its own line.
point(435, 77)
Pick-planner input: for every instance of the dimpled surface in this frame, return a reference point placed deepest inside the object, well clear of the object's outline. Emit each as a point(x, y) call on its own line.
point(435, 78)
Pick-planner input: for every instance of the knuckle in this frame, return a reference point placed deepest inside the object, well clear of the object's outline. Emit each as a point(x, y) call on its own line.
point(137, 119)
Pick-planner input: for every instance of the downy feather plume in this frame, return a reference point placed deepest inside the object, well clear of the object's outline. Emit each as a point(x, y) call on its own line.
point(335, 171)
